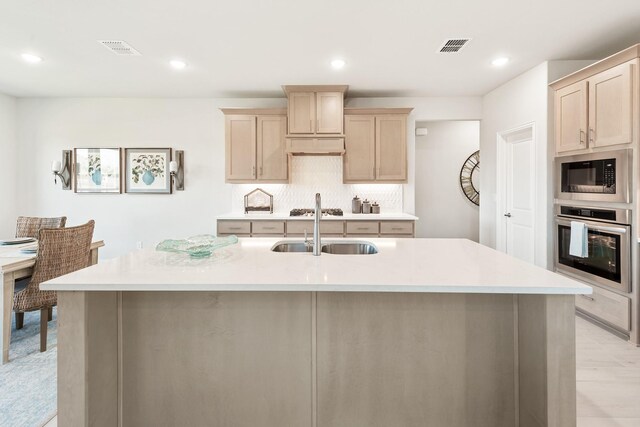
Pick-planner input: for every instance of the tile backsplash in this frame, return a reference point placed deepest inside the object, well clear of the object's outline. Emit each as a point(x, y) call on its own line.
point(320, 174)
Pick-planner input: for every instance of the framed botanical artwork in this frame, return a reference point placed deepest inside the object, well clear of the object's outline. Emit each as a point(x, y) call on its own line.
point(97, 170)
point(147, 170)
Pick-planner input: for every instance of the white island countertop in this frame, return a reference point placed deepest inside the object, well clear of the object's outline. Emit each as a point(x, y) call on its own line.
point(347, 216)
point(402, 265)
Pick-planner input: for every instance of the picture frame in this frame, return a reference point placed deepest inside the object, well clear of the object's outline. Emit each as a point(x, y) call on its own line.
point(147, 170)
point(97, 170)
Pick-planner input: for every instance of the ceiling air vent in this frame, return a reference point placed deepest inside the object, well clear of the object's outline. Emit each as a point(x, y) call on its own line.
point(453, 45)
point(119, 47)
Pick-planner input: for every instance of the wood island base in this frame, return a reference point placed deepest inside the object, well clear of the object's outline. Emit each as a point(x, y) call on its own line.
point(315, 359)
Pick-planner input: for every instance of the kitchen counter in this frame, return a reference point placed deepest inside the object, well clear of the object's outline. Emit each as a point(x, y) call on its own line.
point(438, 332)
point(387, 216)
point(402, 265)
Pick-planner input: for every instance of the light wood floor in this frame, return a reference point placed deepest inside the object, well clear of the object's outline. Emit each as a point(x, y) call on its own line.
point(608, 374)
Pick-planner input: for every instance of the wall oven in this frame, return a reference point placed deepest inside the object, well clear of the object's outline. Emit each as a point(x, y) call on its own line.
point(608, 260)
point(604, 177)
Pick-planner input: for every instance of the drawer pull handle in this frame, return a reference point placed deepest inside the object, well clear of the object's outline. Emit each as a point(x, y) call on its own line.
point(588, 297)
point(363, 228)
point(397, 228)
point(269, 228)
point(235, 228)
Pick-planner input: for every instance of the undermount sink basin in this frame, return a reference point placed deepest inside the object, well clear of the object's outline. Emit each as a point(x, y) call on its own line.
point(334, 248)
point(291, 247)
point(350, 248)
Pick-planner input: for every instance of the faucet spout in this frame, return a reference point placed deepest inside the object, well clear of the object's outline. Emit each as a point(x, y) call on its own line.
point(317, 245)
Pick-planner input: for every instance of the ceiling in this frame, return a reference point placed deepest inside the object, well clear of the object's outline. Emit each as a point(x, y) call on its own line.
point(249, 48)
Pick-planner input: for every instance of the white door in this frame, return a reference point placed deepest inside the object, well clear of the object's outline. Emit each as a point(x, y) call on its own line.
point(518, 190)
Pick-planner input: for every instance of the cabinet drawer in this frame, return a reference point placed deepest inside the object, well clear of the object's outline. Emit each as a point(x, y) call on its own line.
point(234, 227)
point(362, 227)
point(267, 227)
point(297, 228)
point(396, 227)
point(608, 306)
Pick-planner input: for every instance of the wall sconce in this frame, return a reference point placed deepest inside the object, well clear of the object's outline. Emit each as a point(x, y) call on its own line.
point(62, 169)
point(176, 168)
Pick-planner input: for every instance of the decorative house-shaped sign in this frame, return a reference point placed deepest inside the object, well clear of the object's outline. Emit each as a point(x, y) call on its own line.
point(258, 201)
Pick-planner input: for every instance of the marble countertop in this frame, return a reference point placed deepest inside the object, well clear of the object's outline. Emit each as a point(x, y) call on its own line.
point(401, 265)
point(387, 216)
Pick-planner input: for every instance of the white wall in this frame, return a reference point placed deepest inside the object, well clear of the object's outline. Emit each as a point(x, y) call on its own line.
point(522, 100)
point(8, 168)
point(48, 125)
point(443, 208)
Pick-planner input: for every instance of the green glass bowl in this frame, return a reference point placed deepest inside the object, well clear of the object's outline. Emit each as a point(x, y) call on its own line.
point(201, 246)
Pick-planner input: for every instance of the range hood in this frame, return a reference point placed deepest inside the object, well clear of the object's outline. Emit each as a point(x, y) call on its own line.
point(315, 146)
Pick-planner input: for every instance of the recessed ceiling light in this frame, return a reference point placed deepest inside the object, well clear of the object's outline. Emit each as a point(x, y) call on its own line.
point(31, 58)
point(338, 64)
point(499, 62)
point(178, 64)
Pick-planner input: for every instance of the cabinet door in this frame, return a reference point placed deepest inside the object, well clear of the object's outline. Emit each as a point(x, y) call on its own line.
point(329, 112)
point(272, 157)
point(360, 153)
point(240, 138)
point(571, 117)
point(302, 112)
point(391, 148)
point(610, 106)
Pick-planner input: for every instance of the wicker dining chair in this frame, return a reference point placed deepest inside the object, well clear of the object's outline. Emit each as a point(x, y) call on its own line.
point(60, 251)
point(28, 226)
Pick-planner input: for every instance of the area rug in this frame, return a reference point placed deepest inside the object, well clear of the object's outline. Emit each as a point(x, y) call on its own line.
point(28, 393)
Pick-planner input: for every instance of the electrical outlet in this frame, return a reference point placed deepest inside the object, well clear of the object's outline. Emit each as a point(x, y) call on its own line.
point(139, 245)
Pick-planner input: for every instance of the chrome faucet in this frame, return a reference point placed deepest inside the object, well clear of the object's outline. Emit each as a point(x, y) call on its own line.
point(317, 245)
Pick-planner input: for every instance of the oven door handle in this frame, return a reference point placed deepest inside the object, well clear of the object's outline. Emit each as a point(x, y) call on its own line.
point(619, 230)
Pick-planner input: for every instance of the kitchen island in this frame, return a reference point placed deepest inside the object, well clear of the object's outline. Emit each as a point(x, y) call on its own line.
point(427, 332)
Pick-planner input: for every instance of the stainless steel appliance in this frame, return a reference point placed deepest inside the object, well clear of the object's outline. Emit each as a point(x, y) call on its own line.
point(608, 262)
point(602, 176)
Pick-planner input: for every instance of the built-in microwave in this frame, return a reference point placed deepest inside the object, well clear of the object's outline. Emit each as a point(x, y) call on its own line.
point(600, 177)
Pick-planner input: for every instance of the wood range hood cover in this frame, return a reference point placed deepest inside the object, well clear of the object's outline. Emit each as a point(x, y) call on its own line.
point(315, 146)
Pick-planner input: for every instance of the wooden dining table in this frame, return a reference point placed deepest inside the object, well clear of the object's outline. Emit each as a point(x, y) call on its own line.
point(15, 265)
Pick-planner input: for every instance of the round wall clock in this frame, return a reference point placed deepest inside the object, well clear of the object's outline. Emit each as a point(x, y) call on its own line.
point(470, 178)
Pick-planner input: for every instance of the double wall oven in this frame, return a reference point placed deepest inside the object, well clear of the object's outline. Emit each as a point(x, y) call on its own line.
point(603, 182)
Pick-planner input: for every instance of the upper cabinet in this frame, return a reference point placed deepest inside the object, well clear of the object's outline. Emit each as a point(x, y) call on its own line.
point(610, 106)
point(571, 117)
point(376, 145)
point(255, 145)
point(315, 110)
point(598, 105)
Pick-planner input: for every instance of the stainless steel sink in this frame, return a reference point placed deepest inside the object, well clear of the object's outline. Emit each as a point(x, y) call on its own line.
point(350, 248)
point(291, 247)
point(334, 248)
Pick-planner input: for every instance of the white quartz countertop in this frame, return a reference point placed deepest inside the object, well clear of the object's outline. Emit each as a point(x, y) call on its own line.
point(402, 265)
point(387, 216)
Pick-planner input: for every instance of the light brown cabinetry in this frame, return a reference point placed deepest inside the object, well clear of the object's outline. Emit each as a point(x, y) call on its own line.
point(256, 146)
point(315, 110)
point(607, 306)
point(610, 106)
point(375, 145)
point(328, 228)
point(571, 117)
point(596, 110)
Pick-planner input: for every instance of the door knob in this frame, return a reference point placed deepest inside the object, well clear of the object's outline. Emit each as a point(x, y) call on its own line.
point(508, 215)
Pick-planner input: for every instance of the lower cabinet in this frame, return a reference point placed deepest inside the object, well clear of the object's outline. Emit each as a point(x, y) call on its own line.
point(328, 228)
point(608, 306)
